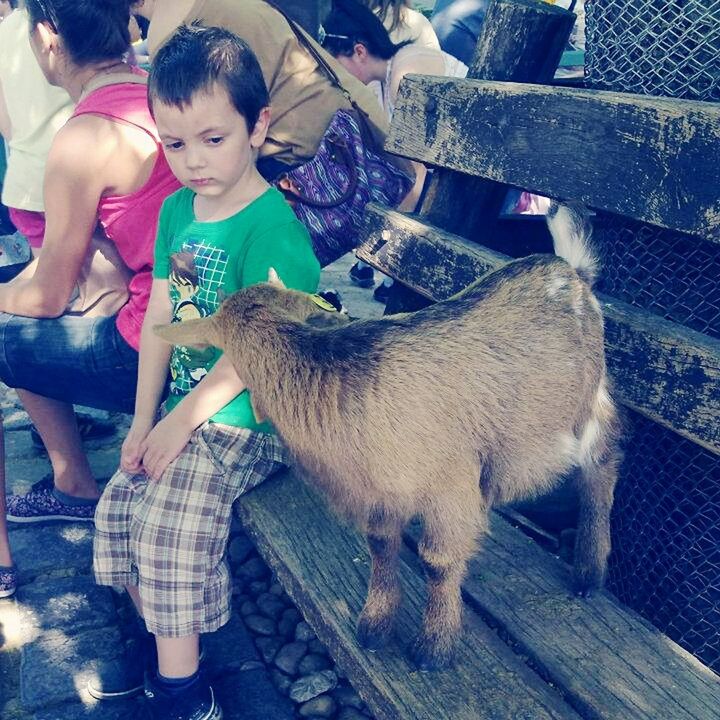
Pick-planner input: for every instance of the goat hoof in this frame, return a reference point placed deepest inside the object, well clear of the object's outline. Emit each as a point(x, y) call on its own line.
point(428, 656)
point(373, 635)
point(585, 583)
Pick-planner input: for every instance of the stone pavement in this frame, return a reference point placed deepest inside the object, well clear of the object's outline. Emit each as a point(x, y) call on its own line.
point(58, 625)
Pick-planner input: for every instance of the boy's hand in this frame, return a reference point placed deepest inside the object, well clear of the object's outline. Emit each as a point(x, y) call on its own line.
point(132, 448)
point(163, 444)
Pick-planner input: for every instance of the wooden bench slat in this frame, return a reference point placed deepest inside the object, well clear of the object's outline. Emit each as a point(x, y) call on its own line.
point(653, 159)
point(661, 369)
point(608, 661)
point(324, 568)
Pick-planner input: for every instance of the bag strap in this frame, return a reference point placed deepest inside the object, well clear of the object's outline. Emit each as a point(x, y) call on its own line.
point(329, 71)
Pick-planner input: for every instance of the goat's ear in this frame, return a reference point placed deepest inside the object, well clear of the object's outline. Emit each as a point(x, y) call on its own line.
point(200, 332)
point(274, 279)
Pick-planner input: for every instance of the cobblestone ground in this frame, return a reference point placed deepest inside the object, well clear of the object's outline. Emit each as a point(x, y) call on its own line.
point(266, 664)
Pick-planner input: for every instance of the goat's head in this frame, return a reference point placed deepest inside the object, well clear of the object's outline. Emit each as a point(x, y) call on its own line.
point(259, 308)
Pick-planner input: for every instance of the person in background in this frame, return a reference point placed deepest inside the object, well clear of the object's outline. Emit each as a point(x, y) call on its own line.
point(163, 521)
point(31, 112)
point(302, 96)
point(105, 163)
point(404, 23)
point(457, 24)
point(305, 100)
point(361, 44)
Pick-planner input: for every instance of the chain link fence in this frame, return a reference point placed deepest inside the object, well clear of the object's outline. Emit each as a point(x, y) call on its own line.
point(665, 561)
point(654, 47)
point(670, 274)
point(666, 519)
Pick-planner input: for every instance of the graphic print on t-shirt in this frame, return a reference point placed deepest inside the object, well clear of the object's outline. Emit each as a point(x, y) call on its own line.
point(197, 274)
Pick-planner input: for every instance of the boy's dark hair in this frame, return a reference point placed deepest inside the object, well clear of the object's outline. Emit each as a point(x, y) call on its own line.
point(350, 23)
point(197, 57)
point(91, 30)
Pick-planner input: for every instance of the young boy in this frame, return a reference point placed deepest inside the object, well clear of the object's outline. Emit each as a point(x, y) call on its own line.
point(162, 523)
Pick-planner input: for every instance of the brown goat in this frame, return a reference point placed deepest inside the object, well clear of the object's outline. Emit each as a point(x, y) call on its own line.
point(482, 399)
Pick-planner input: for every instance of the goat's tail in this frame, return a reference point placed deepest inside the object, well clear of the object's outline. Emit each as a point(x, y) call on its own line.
point(570, 228)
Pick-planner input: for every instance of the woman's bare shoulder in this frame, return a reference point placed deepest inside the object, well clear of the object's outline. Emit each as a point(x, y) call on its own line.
point(87, 140)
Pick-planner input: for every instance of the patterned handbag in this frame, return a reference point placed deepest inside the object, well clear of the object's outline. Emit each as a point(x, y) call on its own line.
point(329, 192)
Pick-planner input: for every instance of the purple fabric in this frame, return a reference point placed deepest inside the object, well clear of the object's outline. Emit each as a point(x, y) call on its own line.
point(41, 504)
point(327, 177)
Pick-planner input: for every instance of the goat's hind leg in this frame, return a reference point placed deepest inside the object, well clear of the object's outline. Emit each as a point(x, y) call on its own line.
point(596, 485)
point(376, 621)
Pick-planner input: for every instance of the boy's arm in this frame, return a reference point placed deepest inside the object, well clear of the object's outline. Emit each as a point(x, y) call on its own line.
point(168, 438)
point(152, 374)
point(290, 253)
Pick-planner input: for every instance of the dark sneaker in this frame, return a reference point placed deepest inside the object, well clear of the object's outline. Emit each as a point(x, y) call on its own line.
point(40, 504)
point(90, 428)
point(8, 581)
point(382, 293)
point(196, 702)
point(363, 277)
point(125, 677)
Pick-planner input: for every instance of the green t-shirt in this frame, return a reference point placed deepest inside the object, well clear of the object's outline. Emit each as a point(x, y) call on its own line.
point(205, 262)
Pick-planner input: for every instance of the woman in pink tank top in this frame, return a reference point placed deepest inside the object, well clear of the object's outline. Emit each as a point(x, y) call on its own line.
point(105, 166)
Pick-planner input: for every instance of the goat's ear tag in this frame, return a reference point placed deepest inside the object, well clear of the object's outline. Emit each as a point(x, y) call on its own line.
point(322, 303)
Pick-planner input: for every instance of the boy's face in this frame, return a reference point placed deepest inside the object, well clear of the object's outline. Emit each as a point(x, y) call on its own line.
point(207, 143)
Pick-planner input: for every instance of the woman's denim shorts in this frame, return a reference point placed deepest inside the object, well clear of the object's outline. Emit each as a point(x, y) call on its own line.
point(83, 361)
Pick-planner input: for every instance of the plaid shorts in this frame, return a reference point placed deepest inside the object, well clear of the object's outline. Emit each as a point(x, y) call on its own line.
point(168, 538)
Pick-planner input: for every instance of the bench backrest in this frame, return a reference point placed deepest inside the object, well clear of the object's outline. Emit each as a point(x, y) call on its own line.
point(651, 159)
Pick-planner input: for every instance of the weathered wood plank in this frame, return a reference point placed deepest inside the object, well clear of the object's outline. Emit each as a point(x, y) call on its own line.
point(520, 41)
point(607, 660)
point(324, 568)
point(653, 159)
point(662, 370)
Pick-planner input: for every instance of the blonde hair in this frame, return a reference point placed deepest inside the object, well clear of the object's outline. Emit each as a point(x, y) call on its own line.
point(386, 8)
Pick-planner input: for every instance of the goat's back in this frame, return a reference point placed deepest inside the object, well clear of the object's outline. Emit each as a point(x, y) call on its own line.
point(504, 374)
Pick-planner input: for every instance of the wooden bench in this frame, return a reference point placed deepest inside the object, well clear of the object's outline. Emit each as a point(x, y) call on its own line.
point(530, 650)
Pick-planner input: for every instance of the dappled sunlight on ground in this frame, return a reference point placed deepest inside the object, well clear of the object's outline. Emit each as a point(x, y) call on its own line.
point(76, 534)
point(18, 625)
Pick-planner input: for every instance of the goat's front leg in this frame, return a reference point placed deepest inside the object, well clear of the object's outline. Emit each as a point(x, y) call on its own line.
point(376, 621)
point(445, 549)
